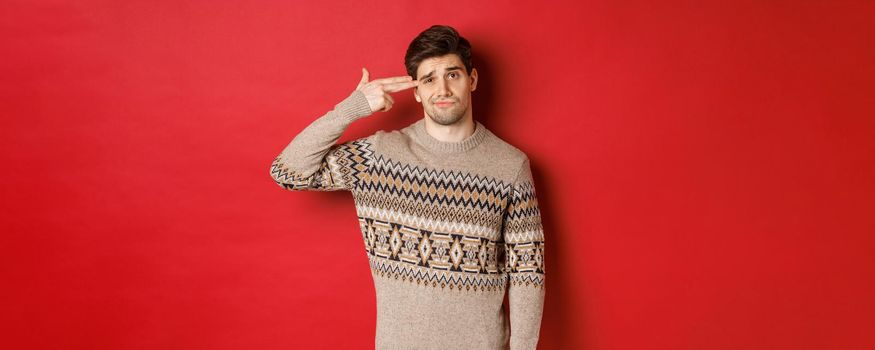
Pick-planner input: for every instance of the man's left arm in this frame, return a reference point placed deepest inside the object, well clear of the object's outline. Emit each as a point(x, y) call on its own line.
point(524, 261)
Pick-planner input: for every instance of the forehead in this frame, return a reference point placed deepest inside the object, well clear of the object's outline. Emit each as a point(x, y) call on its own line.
point(438, 63)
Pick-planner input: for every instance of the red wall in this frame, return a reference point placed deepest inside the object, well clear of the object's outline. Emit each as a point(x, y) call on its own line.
point(705, 171)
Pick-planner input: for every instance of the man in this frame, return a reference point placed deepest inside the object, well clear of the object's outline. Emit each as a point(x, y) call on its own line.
point(447, 210)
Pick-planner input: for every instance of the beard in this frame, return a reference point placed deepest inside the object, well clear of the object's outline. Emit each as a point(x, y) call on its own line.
point(447, 116)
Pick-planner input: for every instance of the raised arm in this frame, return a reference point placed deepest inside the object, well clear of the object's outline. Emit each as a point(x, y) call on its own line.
point(313, 160)
point(524, 262)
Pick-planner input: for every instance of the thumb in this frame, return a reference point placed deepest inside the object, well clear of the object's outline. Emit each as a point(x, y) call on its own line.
point(364, 77)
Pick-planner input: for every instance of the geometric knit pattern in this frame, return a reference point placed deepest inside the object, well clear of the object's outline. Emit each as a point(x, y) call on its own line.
point(524, 237)
point(439, 259)
point(339, 170)
point(437, 228)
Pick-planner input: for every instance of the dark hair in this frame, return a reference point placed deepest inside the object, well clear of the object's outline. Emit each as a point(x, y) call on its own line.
point(438, 40)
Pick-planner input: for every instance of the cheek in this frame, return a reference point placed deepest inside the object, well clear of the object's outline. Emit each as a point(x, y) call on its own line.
point(424, 93)
point(462, 85)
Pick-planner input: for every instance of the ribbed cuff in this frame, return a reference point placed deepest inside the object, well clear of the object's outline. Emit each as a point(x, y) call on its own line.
point(353, 107)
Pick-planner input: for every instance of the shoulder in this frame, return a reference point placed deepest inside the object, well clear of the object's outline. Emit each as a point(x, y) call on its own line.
point(391, 136)
point(516, 163)
point(397, 139)
point(379, 140)
point(508, 156)
point(501, 146)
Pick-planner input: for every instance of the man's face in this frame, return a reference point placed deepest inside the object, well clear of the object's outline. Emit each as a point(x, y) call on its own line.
point(445, 88)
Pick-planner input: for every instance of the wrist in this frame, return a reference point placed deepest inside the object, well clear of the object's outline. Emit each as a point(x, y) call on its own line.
point(354, 107)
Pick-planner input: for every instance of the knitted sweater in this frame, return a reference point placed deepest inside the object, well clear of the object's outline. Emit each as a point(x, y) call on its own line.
point(448, 228)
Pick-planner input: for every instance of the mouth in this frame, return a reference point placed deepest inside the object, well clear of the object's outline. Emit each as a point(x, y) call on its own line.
point(444, 103)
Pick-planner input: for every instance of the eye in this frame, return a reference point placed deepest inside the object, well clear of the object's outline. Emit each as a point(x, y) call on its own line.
point(427, 80)
point(454, 74)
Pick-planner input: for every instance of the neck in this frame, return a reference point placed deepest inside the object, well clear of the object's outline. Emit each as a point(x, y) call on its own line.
point(451, 133)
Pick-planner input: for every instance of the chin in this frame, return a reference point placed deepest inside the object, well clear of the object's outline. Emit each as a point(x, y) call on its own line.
point(453, 118)
point(446, 121)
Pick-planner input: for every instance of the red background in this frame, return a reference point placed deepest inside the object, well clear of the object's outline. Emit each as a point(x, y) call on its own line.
point(705, 171)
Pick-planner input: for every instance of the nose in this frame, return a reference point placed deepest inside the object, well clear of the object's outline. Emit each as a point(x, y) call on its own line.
point(444, 88)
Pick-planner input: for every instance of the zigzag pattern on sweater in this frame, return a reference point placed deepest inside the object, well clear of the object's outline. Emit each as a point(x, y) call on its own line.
point(522, 222)
point(343, 167)
point(437, 278)
point(455, 219)
point(449, 220)
point(527, 279)
point(436, 187)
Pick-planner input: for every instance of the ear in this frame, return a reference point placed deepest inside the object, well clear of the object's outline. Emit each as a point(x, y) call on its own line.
point(416, 94)
point(473, 79)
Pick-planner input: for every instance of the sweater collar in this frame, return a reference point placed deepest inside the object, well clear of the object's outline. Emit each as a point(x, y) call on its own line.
point(425, 139)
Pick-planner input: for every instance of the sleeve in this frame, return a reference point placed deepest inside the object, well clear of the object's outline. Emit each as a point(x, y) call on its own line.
point(523, 237)
point(313, 161)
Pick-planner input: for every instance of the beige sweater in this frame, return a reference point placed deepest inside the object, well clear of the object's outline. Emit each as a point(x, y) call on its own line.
point(448, 227)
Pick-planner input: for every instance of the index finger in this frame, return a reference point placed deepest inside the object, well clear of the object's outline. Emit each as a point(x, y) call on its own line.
point(399, 86)
point(391, 80)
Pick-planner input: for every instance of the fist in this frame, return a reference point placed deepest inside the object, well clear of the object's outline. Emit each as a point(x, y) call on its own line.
point(377, 91)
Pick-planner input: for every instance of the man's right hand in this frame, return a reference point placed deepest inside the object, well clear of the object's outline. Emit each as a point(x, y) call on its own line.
point(377, 91)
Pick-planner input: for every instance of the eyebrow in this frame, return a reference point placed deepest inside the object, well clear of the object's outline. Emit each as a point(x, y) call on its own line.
point(448, 69)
